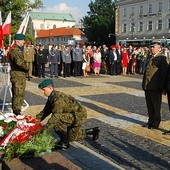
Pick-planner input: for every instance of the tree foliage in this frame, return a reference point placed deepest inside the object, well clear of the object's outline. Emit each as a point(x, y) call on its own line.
point(100, 22)
point(18, 10)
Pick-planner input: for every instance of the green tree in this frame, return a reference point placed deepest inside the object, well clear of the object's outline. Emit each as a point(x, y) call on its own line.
point(100, 22)
point(18, 10)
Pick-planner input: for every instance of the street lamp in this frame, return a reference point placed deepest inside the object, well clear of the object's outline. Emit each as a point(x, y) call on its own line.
point(111, 34)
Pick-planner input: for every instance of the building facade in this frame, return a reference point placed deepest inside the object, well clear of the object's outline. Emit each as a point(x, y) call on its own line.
point(141, 21)
point(60, 36)
point(46, 21)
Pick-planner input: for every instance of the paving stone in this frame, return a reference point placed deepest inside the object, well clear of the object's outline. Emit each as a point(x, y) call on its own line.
point(117, 143)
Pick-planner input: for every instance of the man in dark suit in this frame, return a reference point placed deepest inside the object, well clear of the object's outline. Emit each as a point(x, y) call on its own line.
point(153, 84)
point(42, 60)
point(113, 61)
point(119, 59)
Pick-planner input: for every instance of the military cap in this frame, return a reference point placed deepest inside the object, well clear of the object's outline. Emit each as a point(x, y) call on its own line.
point(45, 83)
point(155, 43)
point(40, 44)
point(19, 36)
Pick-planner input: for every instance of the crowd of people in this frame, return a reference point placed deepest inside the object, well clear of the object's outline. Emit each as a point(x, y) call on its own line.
point(67, 60)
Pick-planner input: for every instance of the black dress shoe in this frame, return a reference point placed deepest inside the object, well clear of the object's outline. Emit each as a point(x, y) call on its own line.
point(166, 133)
point(145, 125)
point(152, 127)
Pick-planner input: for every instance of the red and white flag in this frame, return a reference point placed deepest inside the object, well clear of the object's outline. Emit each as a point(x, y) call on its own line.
point(23, 26)
point(6, 28)
point(1, 34)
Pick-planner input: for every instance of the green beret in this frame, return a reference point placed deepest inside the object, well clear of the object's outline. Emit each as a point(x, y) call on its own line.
point(19, 36)
point(45, 83)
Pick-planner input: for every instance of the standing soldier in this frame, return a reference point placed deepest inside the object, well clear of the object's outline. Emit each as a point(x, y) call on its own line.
point(35, 63)
point(54, 60)
point(153, 84)
point(29, 53)
point(18, 73)
point(66, 58)
point(77, 60)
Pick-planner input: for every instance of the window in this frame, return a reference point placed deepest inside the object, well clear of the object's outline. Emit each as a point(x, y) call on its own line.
point(160, 7)
point(41, 26)
point(124, 12)
point(168, 24)
point(54, 26)
point(140, 26)
point(141, 10)
point(124, 28)
point(132, 27)
point(133, 10)
point(159, 24)
point(149, 27)
point(150, 8)
point(48, 26)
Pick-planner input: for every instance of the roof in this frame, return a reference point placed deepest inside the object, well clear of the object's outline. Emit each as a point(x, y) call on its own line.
point(51, 16)
point(56, 32)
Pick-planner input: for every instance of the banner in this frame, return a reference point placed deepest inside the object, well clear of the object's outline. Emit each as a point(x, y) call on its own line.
point(23, 26)
point(6, 28)
point(22, 29)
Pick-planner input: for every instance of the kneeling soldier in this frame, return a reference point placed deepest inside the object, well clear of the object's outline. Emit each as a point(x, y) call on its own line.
point(67, 115)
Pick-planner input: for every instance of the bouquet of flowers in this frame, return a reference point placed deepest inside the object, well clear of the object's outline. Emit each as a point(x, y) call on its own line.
point(20, 136)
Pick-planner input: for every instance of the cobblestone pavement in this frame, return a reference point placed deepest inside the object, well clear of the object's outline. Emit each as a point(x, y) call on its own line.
point(117, 105)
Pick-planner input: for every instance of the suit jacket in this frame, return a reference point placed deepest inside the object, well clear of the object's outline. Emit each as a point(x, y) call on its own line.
point(119, 55)
point(112, 57)
point(42, 56)
point(155, 73)
point(54, 56)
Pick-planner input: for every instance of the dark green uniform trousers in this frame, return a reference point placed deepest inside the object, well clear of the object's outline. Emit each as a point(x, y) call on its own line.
point(153, 102)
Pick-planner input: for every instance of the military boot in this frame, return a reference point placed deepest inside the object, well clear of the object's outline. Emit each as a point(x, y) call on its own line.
point(17, 112)
point(62, 145)
point(94, 132)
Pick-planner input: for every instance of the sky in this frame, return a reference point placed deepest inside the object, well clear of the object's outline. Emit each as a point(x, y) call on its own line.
point(77, 8)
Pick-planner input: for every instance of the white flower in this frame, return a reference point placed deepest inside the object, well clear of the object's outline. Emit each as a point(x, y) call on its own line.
point(9, 114)
point(9, 119)
point(20, 117)
point(1, 117)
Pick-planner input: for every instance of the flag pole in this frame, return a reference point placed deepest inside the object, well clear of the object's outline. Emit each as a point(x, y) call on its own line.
point(9, 39)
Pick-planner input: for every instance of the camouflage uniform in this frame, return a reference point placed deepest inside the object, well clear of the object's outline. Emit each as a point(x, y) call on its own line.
point(67, 116)
point(18, 77)
point(29, 53)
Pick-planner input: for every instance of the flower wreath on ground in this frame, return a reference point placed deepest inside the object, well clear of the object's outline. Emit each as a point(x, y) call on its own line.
point(22, 136)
